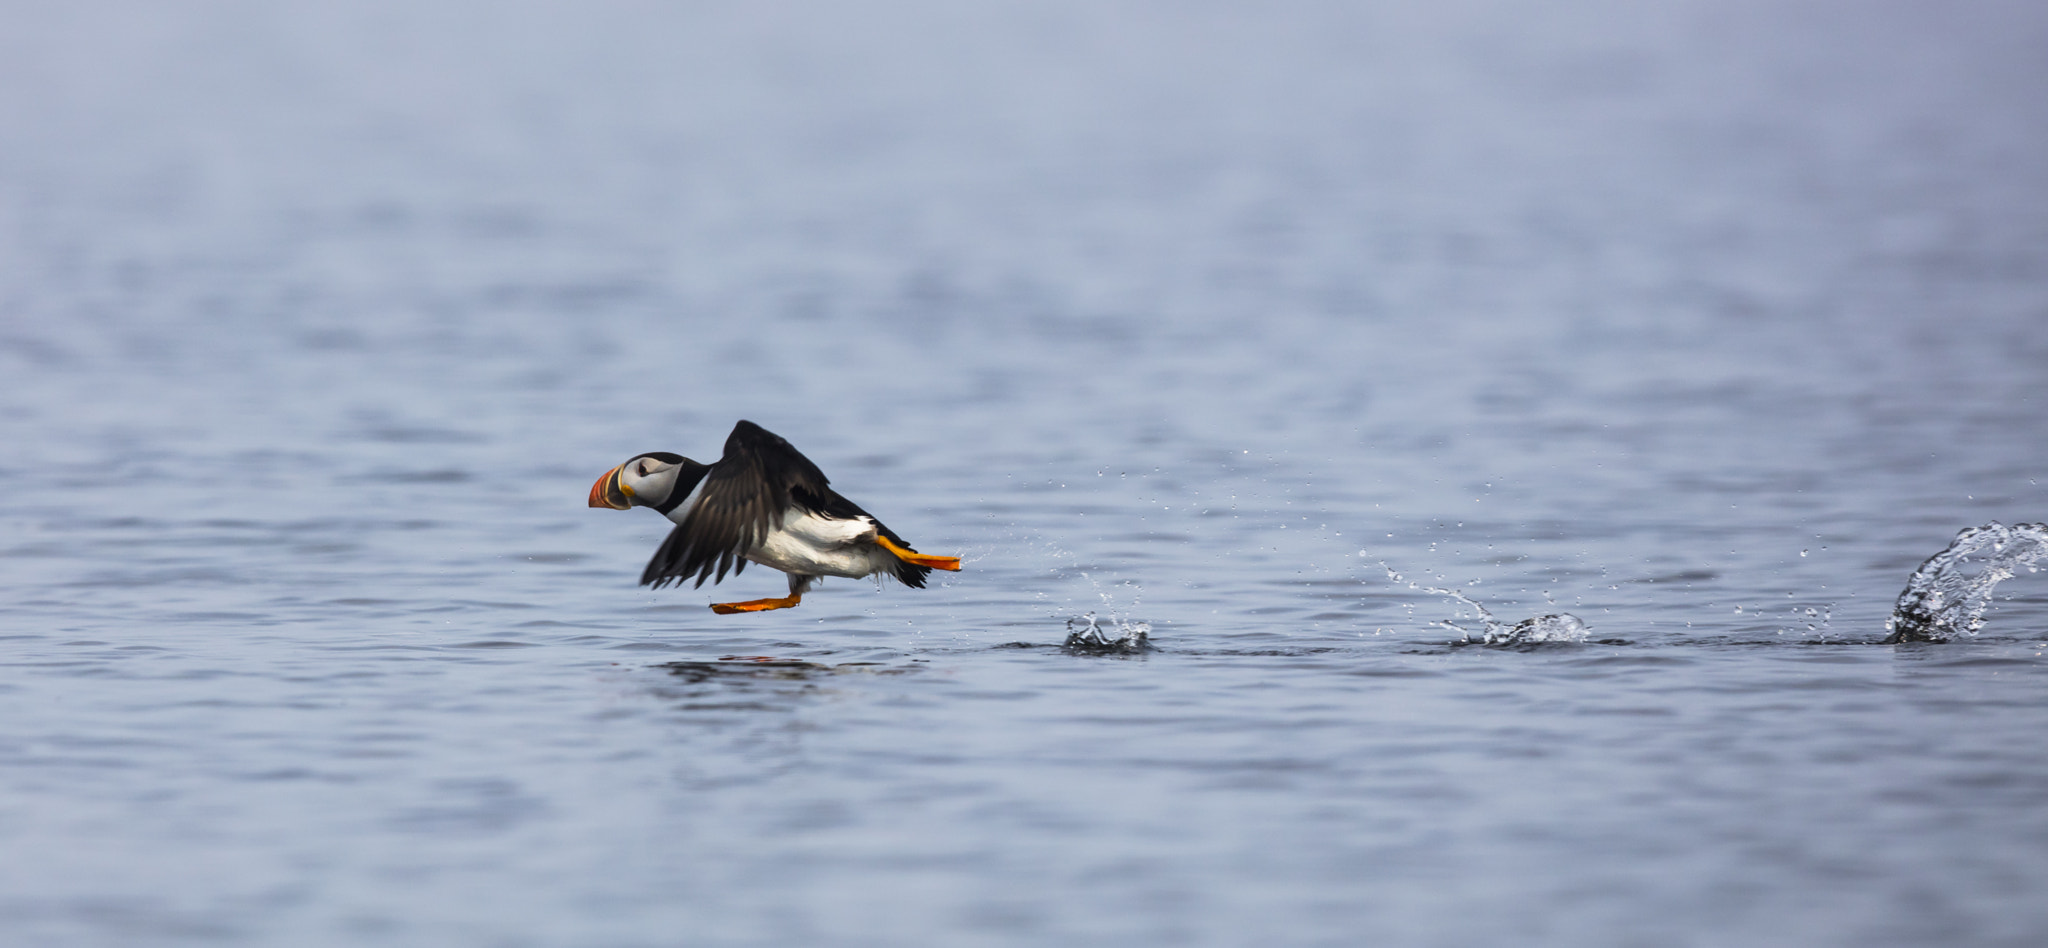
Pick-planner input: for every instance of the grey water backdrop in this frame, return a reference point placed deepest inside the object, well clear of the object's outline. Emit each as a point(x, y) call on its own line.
point(1296, 333)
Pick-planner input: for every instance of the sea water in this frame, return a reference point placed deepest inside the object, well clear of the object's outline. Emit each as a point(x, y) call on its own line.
point(1653, 347)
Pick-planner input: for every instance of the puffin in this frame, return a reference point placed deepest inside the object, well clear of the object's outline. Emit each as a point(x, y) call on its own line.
point(763, 502)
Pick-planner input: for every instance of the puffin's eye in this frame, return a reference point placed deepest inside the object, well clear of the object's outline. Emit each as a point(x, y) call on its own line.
point(641, 468)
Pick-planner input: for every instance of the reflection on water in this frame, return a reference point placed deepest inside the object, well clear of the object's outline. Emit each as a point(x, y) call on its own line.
point(763, 668)
point(759, 683)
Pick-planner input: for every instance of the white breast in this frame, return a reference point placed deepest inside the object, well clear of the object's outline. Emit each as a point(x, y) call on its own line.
point(681, 511)
point(822, 546)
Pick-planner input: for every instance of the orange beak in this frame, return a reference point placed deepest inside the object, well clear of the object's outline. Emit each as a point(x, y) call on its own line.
point(606, 492)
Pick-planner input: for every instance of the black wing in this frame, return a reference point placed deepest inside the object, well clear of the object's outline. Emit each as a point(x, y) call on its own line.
point(744, 496)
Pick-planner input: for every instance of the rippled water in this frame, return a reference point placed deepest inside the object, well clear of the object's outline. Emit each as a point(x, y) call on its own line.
point(1703, 324)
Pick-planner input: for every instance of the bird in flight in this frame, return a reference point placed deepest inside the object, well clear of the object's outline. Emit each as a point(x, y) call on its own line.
point(763, 502)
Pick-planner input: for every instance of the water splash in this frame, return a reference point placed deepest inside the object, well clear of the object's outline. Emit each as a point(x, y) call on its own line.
point(1087, 633)
point(1555, 627)
point(1950, 592)
point(1543, 629)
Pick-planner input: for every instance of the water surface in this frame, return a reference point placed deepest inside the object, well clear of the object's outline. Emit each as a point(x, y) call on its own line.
point(1702, 323)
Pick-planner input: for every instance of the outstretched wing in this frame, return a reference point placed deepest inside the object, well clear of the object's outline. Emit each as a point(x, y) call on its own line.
point(739, 501)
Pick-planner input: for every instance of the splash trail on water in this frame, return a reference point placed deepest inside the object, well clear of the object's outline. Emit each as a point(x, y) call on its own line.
point(1087, 633)
point(1554, 627)
point(1950, 592)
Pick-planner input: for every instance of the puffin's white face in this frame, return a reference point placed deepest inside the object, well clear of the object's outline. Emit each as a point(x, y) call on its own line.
point(644, 481)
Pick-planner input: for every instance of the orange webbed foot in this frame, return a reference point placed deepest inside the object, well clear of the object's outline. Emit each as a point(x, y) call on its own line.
point(755, 605)
point(950, 564)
